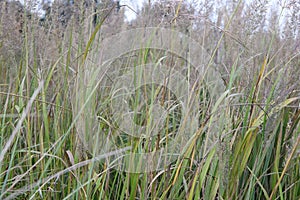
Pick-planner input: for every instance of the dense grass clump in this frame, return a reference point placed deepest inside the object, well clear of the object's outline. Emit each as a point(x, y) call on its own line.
point(244, 142)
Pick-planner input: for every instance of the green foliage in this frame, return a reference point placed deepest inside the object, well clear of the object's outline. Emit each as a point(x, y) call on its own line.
point(253, 155)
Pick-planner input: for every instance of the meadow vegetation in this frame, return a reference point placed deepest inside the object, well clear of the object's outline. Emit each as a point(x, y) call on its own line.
point(255, 152)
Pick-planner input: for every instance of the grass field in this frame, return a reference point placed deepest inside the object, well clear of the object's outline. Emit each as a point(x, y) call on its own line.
point(246, 143)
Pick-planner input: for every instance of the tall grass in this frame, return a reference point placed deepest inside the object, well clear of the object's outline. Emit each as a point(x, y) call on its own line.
point(253, 155)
